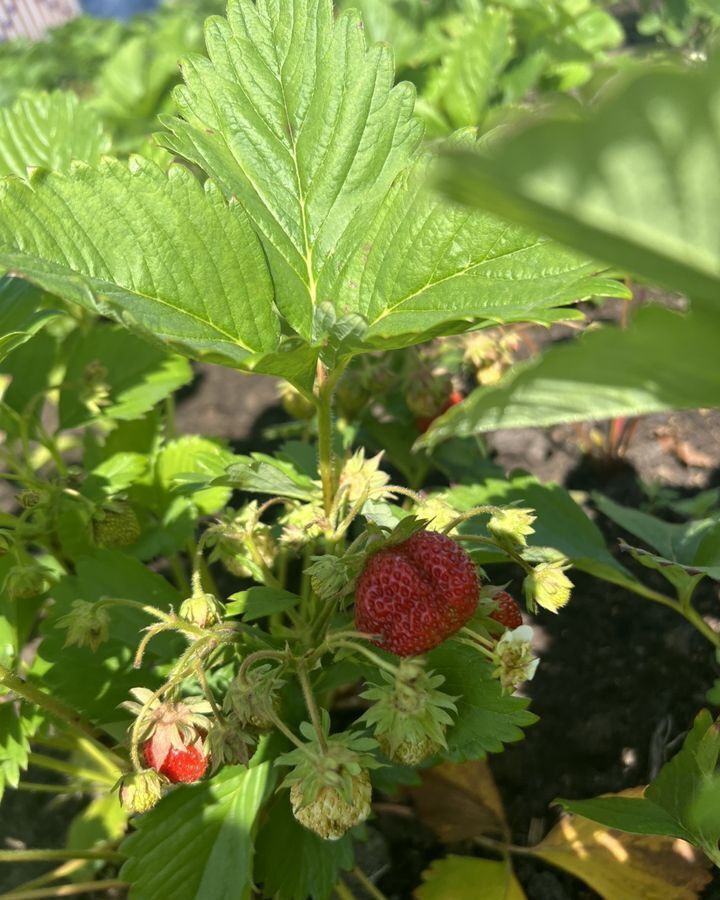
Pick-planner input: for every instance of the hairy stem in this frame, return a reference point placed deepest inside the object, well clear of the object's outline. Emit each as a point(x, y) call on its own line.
point(311, 705)
point(325, 432)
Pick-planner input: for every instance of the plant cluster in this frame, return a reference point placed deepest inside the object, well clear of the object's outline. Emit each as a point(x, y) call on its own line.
point(178, 621)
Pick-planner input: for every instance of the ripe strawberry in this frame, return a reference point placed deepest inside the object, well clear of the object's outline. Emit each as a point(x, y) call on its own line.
point(423, 423)
point(416, 594)
point(507, 612)
point(178, 765)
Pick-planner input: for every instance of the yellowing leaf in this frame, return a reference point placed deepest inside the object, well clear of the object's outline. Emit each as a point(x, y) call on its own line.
point(467, 878)
point(459, 801)
point(621, 866)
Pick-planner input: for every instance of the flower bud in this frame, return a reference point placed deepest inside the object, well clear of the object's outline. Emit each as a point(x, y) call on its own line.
point(437, 512)
point(511, 525)
point(254, 699)
point(140, 791)
point(328, 576)
point(548, 586)
point(361, 476)
point(228, 744)
point(201, 609)
point(25, 581)
point(28, 499)
point(88, 624)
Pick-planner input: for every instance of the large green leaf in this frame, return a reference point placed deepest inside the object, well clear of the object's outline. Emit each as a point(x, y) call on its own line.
point(664, 360)
point(21, 313)
point(636, 183)
point(295, 116)
point(310, 866)
point(197, 843)
point(150, 248)
point(486, 718)
point(49, 130)
point(418, 267)
point(464, 83)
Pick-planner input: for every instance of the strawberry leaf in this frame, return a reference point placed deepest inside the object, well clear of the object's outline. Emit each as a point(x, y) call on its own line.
point(198, 841)
point(295, 116)
point(137, 375)
point(310, 866)
point(486, 718)
point(21, 313)
point(18, 723)
point(655, 214)
point(49, 130)
point(153, 249)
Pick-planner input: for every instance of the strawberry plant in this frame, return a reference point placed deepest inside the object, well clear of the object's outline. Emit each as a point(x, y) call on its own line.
point(298, 238)
point(232, 655)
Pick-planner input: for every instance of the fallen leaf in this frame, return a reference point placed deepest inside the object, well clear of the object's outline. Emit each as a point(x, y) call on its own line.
point(459, 801)
point(468, 878)
point(622, 866)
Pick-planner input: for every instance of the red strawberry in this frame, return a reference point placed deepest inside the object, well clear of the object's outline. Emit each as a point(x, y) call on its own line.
point(183, 765)
point(417, 594)
point(422, 424)
point(507, 612)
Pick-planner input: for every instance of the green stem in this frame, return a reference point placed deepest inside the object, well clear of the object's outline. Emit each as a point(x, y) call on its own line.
point(324, 425)
point(343, 891)
point(37, 788)
point(358, 648)
point(56, 708)
point(687, 612)
point(65, 890)
point(15, 856)
point(65, 768)
point(256, 657)
point(371, 888)
point(311, 705)
point(62, 871)
point(474, 645)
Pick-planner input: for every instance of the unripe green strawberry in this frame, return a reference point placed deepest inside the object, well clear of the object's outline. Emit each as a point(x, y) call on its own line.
point(116, 525)
point(409, 752)
point(329, 814)
point(25, 581)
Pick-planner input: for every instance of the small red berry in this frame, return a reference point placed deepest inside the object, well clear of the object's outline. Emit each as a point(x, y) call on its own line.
point(179, 765)
point(415, 595)
point(422, 424)
point(507, 612)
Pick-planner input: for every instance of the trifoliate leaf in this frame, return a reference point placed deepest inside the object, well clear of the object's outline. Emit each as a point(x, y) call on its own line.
point(153, 249)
